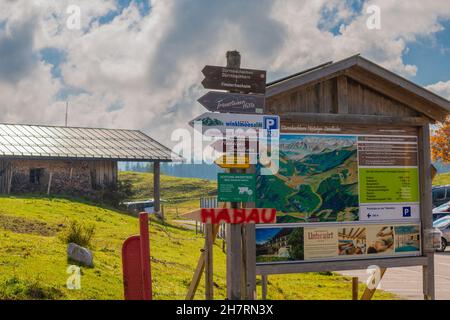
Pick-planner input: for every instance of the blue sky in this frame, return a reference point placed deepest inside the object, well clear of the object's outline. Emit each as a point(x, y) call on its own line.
point(432, 56)
point(137, 63)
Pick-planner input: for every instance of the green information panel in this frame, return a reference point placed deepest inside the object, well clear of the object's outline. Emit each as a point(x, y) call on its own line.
point(236, 187)
point(389, 185)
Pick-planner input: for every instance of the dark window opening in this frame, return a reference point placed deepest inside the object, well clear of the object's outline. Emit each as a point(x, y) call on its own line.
point(35, 175)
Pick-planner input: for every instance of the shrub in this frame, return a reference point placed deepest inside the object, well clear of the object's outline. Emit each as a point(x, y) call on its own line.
point(115, 194)
point(15, 288)
point(80, 234)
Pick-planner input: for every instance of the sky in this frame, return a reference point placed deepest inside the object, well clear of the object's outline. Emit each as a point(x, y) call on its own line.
point(137, 64)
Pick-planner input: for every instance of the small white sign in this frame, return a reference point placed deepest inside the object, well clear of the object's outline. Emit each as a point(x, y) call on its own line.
point(231, 121)
point(386, 212)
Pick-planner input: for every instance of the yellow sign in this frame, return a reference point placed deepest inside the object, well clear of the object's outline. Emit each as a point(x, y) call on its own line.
point(233, 162)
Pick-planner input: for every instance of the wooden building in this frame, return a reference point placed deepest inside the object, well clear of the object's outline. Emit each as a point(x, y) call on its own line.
point(361, 96)
point(69, 160)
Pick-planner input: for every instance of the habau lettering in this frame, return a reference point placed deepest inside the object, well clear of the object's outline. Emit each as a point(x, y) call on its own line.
point(238, 216)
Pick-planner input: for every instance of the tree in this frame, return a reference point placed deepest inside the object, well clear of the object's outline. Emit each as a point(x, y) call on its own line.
point(440, 142)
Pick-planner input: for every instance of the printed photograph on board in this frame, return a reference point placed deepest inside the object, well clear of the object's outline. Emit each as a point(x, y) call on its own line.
point(317, 180)
point(279, 244)
point(380, 239)
point(352, 241)
point(407, 238)
point(321, 242)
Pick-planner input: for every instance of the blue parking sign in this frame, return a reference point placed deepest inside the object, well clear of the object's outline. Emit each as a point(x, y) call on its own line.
point(406, 212)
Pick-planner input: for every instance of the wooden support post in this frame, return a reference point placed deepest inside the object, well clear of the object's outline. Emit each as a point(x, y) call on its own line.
point(355, 288)
point(250, 252)
point(209, 242)
point(368, 293)
point(426, 208)
point(264, 282)
point(156, 187)
point(199, 269)
point(234, 261)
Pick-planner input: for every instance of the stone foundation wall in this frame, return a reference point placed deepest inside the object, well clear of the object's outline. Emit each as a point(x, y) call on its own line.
point(67, 177)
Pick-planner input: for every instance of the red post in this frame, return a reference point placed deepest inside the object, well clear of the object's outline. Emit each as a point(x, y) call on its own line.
point(145, 256)
point(136, 263)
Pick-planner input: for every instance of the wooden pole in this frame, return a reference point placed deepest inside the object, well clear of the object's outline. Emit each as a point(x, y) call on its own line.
point(199, 269)
point(264, 282)
point(368, 293)
point(234, 232)
point(209, 242)
point(156, 188)
point(250, 252)
point(355, 288)
point(426, 208)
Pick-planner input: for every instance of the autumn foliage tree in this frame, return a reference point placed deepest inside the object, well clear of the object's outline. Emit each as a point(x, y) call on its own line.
point(440, 142)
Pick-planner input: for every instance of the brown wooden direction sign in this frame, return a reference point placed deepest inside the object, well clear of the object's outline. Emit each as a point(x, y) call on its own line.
point(233, 216)
point(236, 145)
point(243, 80)
point(233, 102)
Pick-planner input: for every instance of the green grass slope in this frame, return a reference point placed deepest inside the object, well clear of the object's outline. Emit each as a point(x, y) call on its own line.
point(173, 189)
point(33, 261)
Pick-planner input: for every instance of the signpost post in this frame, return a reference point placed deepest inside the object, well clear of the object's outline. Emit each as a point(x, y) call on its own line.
point(246, 98)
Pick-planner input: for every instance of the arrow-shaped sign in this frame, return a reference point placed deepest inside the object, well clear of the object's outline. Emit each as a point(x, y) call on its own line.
point(231, 146)
point(233, 102)
point(230, 121)
point(233, 216)
point(243, 80)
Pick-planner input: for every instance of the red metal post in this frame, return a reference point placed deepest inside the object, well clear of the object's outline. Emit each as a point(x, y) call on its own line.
point(145, 256)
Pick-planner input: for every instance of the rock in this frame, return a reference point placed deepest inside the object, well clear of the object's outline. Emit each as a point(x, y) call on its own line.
point(80, 254)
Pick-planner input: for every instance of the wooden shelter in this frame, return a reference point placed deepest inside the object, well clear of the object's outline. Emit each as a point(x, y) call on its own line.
point(358, 93)
point(70, 160)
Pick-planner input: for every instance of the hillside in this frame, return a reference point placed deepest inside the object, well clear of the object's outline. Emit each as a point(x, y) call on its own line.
point(33, 253)
point(173, 189)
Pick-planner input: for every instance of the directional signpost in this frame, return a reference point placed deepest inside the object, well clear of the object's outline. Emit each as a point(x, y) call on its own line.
point(241, 80)
point(233, 102)
point(233, 162)
point(232, 114)
point(231, 121)
point(236, 146)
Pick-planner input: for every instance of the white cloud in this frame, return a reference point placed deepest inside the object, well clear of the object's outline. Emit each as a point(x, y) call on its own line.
point(441, 88)
point(145, 72)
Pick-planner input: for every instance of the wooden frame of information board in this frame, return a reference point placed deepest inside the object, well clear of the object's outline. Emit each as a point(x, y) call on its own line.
point(356, 92)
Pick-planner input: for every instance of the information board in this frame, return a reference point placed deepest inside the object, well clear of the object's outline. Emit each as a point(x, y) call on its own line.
point(236, 187)
point(341, 194)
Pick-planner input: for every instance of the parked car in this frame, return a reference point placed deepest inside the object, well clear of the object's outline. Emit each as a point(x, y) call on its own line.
point(442, 211)
point(141, 206)
point(441, 195)
point(443, 225)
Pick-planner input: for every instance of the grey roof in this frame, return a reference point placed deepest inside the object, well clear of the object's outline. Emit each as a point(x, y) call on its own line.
point(31, 141)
